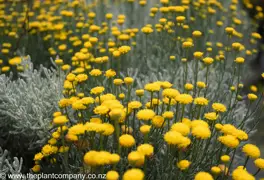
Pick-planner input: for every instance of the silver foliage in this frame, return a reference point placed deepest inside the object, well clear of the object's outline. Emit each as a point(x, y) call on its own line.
point(27, 103)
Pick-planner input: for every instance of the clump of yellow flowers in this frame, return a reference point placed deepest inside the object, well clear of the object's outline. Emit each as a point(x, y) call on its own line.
point(153, 93)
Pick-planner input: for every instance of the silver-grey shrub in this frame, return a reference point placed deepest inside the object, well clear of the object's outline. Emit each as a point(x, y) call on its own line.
point(27, 104)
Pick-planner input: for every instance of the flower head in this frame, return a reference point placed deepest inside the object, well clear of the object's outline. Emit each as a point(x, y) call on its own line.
point(252, 97)
point(184, 99)
point(60, 120)
point(135, 174)
point(181, 128)
point(145, 114)
point(251, 151)
point(201, 132)
point(203, 176)
point(259, 163)
point(183, 164)
point(201, 101)
point(229, 141)
point(136, 158)
point(211, 116)
point(146, 149)
point(112, 175)
point(218, 107)
point(126, 140)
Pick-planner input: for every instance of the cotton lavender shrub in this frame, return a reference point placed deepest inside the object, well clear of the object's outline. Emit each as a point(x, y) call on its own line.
point(27, 104)
point(153, 90)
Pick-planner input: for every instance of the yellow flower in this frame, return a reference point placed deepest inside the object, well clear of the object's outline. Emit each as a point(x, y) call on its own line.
point(147, 30)
point(89, 158)
point(52, 141)
point(240, 134)
point(134, 105)
point(108, 129)
point(176, 138)
point(95, 72)
point(121, 96)
point(110, 73)
point(78, 105)
point(87, 100)
point(146, 149)
point(165, 84)
point(184, 99)
point(112, 175)
point(256, 35)
point(127, 140)
point(239, 60)
point(252, 97)
point(109, 16)
point(201, 101)
point(180, 19)
point(208, 60)
point(77, 129)
point(212, 116)
point(48, 150)
point(215, 170)
point(152, 87)
point(201, 85)
point(62, 47)
point(240, 174)
point(114, 158)
point(60, 120)
point(229, 30)
point(198, 55)
point(199, 122)
point(36, 168)
point(170, 93)
point(259, 163)
point(136, 158)
point(135, 174)
point(172, 58)
point(203, 176)
point(81, 77)
point(58, 113)
point(140, 92)
point(218, 107)
point(181, 128)
point(116, 53)
point(187, 44)
point(97, 90)
point(145, 114)
point(101, 110)
point(183, 164)
point(15, 61)
point(71, 77)
point(168, 114)
point(225, 158)
point(58, 61)
point(145, 129)
point(229, 141)
point(218, 126)
point(158, 121)
point(251, 151)
point(116, 114)
point(201, 132)
point(253, 88)
point(128, 80)
point(197, 33)
point(38, 156)
point(188, 86)
point(118, 82)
